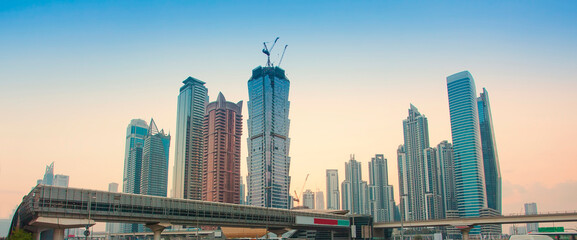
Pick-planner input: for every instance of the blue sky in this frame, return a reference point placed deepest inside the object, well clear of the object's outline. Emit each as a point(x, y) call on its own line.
point(75, 72)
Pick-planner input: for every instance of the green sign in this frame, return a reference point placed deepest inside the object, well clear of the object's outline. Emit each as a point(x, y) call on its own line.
point(551, 229)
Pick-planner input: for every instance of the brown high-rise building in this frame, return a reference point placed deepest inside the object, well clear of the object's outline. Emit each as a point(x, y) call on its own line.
point(222, 136)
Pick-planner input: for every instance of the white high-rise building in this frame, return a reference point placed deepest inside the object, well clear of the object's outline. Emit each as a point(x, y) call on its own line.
point(309, 199)
point(531, 209)
point(333, 193)
point(320, 200)
point(354, 193)
point(381, 198)
point(417, 170)
point(113, 227)
point(61, 180)
point(189, 144)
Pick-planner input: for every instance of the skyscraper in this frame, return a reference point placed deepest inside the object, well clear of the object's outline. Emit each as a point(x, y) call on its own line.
point(187, 172)
point(446, 176)
point(354, 188)
point(154, 171)
point(61, 180)
point(319, 200)
point(113, 227)
point(268, 138)
point(468, 161)
point(333, 193)
point(222, 133)
point(489, 148)
point(381, 198)
point(49, 175)
point(242, 192)
point(417, 170)
point(531, 209)
point(135, 134)
point(309, 199)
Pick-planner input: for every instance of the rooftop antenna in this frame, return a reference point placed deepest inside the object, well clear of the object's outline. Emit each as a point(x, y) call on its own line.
point(280, 61)
point(267, 52)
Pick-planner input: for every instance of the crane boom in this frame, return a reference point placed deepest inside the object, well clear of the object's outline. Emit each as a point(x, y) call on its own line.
point(280, 61)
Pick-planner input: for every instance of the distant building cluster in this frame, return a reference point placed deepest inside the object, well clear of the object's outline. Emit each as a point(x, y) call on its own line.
point(53, 180)
point(446, 180)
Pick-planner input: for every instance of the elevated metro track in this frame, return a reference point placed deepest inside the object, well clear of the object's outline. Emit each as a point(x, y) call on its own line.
point(51, 207)
point(548, 217)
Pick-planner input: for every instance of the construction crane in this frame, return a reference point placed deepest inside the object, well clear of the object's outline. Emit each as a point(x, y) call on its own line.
point(296, 198)
point(267, 51)
point(280, 61)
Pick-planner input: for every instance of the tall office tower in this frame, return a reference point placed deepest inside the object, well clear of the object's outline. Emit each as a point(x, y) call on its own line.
point(433, 199)
point(222, 133)
point(242, 192)
point(135, 134)
point(489, 148)
point(187, 171)
point(309, 199)
point(468, 162)
point(381, 198)
point(61, 180)
point(112, 227)
point(333, 193)
point(531, 209)
point(49, 175)
point(354, 188)
point(446, 177)
point(418, 188)
point(113, 187)
point(319, 200)
point(268, 138)
point(154, 173)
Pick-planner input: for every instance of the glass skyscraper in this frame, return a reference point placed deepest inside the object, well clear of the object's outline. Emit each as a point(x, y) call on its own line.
point(154, 173)
point(48, 178)
point(135, 134)
point(490, 157)
point(468, 158)
point(187, 172)
point(268, 159)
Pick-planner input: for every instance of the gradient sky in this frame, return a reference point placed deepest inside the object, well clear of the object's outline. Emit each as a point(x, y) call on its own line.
point(74, 73)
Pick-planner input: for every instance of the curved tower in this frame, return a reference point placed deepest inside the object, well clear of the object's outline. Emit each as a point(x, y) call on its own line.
point(468, 157)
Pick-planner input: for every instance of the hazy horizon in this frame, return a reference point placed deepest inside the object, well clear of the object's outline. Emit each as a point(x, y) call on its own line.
point(75, 73)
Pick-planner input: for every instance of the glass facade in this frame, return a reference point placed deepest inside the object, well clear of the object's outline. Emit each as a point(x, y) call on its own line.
point(154, 174)
point(135, 134)
point(468, 163)
point(268, 159)
point(187, 172)
point(490, 157)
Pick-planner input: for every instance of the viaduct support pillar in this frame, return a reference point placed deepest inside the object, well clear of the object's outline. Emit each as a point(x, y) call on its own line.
point(157, 228)
point(465, 231)
point(58, 234)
